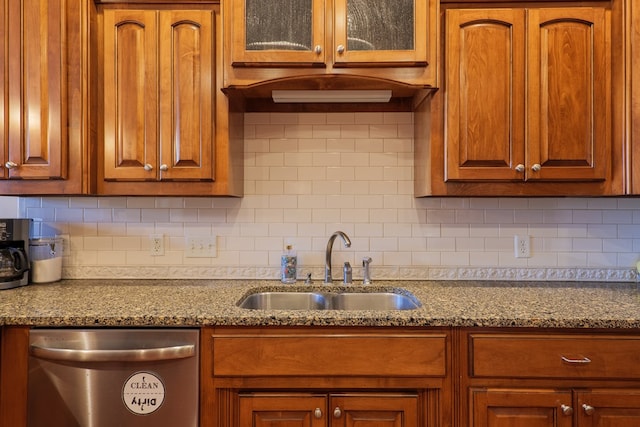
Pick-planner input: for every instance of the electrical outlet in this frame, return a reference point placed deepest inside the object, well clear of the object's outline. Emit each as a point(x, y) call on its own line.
point(522, 246)
point(201, 247)
point(156, 245)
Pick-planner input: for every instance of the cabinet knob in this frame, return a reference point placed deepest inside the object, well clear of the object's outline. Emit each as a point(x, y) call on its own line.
point(148, 167)
point(10, 165)
point(588, 409)
point(317, 413)
point(566, 410)
point(164, 167)
point(536, 167)
point(520, 168)
point(340, 49)
point(337, 413)
point(317, 49)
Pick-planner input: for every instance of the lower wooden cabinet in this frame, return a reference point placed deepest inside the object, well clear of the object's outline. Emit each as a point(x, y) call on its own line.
point(550, 379)
point(336, 410)
point(326, 377)
point(524, 408)
point(555, 408)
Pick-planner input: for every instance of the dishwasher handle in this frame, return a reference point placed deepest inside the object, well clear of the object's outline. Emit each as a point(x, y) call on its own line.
point(128, 355)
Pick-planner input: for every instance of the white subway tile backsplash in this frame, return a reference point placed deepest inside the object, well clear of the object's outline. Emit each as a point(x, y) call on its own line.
point(310, 174)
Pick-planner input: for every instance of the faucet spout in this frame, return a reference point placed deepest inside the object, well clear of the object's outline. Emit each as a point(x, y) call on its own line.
point(327, 264)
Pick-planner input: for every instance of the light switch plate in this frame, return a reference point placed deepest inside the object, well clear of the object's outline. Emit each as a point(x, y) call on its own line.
point(201, 247)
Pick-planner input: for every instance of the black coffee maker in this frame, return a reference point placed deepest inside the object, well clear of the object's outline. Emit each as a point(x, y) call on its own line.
point(14, 252)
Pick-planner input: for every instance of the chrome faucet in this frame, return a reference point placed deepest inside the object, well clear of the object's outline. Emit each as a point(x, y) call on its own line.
point(327, 264)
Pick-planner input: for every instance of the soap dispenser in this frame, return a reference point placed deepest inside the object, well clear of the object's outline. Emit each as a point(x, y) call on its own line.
point(288, 265)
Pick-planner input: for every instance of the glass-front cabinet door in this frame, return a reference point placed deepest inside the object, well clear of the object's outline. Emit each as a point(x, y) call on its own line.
point(380, 31)
point(278, 32)
point(290, 32)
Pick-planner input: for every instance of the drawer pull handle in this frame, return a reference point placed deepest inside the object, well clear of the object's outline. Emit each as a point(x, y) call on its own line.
point(566, 410)
point(317, 413)
point(337, 413)
point(581, 361)
point(588, 409)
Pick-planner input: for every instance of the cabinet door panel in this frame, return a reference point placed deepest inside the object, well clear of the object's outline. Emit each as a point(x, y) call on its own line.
point(522, 408)
point(381, 31)
point(379, 410)
point(282, 410)
point(609, 408)
point(37, 129)
point(130, 95)
point(484, 135)
point(186, 95)
point(568, 94)
point(283, 32)
point(3, 89)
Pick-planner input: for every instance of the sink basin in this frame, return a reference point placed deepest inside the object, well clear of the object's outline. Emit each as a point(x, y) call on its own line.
point(284, 301)
point(373, 301)
point(316, 300)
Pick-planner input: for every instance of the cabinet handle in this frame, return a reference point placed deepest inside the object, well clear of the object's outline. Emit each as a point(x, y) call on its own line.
point(318, 49)
point(520, 168)
point(340, 49)
point(337, 413)
point(317, 413)
point(536, 167)
point(588, 409)
point(566, 410)
point(10, 165)
point(581, 361)
point(164, 167)
point(148, 167)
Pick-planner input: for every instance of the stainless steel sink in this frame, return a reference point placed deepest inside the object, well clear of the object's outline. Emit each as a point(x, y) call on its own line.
point(317, 300)
point(373, 301)
point(284, 301)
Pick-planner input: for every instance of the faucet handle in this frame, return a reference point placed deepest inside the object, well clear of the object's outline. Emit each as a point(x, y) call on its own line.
point(348, 273)
point(366, 273)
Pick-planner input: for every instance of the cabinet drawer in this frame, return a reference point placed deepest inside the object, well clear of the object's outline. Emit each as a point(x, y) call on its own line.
point(554, 356)
point(329, 355)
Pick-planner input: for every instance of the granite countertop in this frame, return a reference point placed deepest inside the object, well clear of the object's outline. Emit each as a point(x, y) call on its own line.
point(175, 303)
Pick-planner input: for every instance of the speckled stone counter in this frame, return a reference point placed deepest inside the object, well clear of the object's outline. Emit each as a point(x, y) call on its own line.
point(175, 303)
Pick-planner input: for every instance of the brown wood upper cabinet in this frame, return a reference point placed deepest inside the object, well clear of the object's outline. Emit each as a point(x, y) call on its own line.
point(43, 116)
point(528, 94)
point(389, 39)
point(165, 125)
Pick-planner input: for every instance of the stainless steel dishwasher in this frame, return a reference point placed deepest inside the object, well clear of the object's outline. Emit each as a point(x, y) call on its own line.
point(113, 377)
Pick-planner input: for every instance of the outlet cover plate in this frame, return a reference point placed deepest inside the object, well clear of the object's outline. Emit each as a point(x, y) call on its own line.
point(522, 246)
point(156, 245)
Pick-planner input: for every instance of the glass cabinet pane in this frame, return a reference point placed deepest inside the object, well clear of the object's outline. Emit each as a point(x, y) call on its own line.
point(380, 24)
point(279, 25)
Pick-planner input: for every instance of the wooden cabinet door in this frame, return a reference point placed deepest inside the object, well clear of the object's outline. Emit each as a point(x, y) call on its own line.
point(130, 95)
point(381, 32)
point(484, 125)
point(158, 95)
point(608, 408)
point(186, 40)
point(283, 32)
point(4, 18)
point(522, 408)
point(569, 95)
point(282, 410)
point(379, 410)
point(35, 114)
